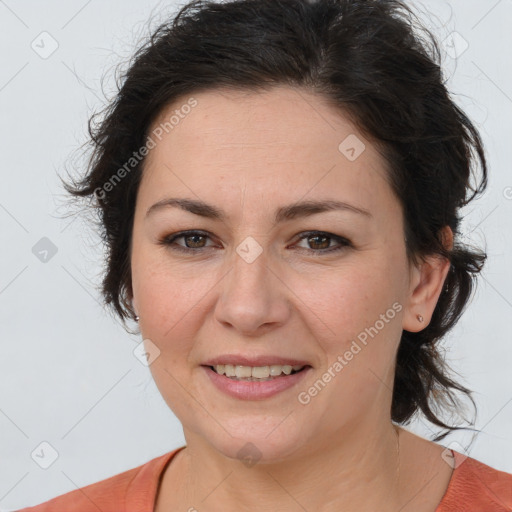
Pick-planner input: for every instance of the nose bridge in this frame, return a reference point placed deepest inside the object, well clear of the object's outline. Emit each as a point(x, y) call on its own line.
point(250, 295)
point(250, 271)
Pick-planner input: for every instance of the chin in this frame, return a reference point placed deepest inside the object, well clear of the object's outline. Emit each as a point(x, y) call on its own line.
point(256, 442)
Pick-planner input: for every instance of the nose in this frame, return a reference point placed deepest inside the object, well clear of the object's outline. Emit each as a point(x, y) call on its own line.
point(253, 297)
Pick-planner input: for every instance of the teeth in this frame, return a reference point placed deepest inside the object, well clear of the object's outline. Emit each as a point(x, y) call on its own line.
point(243, 371)
point(255, 372)
point(275, 370)
point(260, 372)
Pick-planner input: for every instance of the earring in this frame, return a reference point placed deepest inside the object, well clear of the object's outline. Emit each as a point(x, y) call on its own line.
point(137, 318)
point(420, 318)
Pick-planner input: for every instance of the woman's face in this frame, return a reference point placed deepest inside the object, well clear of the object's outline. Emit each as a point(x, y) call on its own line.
point(252, 290)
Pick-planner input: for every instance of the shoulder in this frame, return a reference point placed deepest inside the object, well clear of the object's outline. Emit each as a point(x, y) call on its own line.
point(135, 486)
point(477, 486)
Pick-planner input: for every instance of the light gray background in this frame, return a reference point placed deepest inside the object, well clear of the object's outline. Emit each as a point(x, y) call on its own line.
point(68, 374)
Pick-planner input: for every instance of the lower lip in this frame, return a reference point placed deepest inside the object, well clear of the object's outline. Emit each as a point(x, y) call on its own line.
point(253, 390)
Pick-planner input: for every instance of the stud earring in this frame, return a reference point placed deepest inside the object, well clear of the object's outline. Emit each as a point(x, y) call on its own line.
point(137, 318)
point(420, 318)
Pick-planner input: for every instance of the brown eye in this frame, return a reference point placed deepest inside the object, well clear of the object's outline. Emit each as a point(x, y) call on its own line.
point(194, 241)
point(319, 242)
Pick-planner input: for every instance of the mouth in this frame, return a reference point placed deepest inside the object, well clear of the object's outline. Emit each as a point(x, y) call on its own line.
point(256, 382)
point(256, 373)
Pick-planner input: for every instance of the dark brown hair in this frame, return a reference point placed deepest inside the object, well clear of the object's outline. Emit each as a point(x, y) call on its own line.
point(373, 61)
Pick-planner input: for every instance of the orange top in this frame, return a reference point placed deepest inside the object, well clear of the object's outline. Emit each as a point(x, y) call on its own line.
point(473, 486)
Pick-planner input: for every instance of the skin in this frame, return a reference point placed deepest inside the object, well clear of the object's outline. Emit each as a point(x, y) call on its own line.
point(248, 154)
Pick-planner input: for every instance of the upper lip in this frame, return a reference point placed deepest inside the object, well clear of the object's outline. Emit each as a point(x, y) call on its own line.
point(254, 361)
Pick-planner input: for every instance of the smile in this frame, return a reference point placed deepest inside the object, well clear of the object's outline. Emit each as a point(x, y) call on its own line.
point(241, 372)
point(255, 382)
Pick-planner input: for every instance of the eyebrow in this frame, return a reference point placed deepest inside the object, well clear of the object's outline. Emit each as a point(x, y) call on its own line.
point(284, 213)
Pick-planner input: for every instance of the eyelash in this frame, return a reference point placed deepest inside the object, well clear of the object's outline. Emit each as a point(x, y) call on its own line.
point(170, 239)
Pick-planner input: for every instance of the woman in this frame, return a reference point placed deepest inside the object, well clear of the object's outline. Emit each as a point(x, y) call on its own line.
point(279, 183)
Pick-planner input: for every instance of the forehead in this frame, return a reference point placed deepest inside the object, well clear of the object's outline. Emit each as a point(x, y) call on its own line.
point(284, 143)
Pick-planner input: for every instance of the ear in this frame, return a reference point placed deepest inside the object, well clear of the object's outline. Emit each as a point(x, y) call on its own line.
point(426, 284)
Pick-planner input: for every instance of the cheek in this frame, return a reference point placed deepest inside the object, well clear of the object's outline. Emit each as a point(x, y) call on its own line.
point(168, 296)
point(169, 306)
point(355, 316)
point(342, 302)
point(172, 304)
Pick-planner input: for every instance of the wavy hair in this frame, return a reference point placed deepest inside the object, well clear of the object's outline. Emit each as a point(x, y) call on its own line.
point(370, 59)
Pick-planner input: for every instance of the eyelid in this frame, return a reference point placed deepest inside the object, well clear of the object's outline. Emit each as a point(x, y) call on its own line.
point(169, 240)
point(340, 239)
